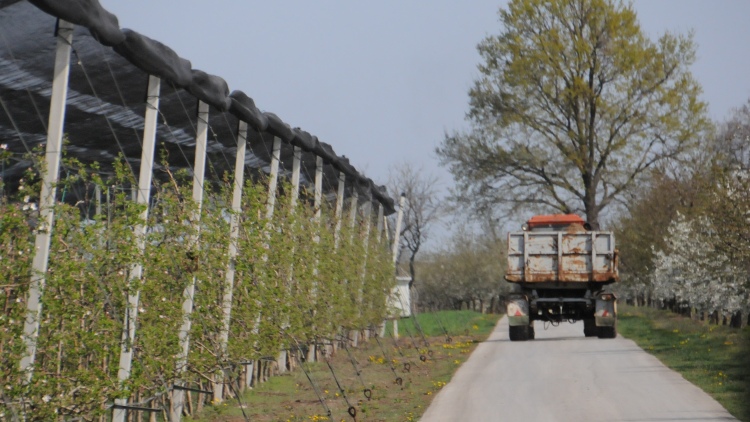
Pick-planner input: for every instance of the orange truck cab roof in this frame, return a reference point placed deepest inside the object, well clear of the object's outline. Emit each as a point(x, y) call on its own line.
point(554, 220)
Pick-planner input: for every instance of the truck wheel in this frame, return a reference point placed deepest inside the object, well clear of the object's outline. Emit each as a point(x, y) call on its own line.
point(589, 327)
point(518, 332)
point(607, 332)
point(531, 331)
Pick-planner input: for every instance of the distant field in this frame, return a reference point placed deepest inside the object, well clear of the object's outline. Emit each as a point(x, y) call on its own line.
point(715, 358)
point(292, 397)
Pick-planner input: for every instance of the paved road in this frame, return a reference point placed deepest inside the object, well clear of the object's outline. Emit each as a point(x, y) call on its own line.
point(563, 376)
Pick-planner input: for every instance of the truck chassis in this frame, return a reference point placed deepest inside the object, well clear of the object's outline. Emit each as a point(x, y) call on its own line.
point(597, 310)
point(559, 268)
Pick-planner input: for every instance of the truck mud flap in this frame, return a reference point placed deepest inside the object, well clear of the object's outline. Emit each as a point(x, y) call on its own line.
point(605, 313)
point(517, 310)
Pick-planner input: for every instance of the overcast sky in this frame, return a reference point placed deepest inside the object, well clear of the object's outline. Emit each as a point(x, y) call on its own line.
point(382, 81)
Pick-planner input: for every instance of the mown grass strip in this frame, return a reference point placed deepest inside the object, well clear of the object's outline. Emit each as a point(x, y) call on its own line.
point(456, 323)
point(714, 358)
point(290, 397)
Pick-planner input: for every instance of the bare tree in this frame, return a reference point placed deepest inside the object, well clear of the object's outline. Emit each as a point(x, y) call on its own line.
point(421, 208)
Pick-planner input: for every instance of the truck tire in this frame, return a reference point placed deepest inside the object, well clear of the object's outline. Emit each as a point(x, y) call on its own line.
point(589, 327)
point(518, 332)
point(606, 332)
point(531, 331)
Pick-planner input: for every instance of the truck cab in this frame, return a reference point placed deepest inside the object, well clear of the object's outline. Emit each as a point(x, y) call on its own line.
point(560, 268)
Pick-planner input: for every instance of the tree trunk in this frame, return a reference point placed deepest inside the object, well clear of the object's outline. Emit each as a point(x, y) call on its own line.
point(736, 321)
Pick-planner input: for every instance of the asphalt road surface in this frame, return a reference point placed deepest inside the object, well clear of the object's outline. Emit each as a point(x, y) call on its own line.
point(564, 376)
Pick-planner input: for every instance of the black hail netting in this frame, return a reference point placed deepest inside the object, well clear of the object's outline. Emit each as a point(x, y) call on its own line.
point(106, 102)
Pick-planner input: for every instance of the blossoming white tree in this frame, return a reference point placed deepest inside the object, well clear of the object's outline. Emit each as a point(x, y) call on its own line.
point(694, 274)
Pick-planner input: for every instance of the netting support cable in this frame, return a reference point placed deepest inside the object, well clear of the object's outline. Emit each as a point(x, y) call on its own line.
point(366, 391)
point(199, 170)
point(47, 196)
point(143, 197)
point(351, 410)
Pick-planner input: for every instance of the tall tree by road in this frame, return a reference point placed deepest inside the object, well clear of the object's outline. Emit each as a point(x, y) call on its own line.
point(421, 209)
point(573, 105)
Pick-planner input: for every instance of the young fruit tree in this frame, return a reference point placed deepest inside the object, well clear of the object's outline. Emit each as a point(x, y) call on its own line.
point(574, 103)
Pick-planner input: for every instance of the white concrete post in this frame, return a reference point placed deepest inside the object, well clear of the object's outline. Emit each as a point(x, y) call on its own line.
point(318, 187)
point(234, 232)
point(353, 212)
point(273, 177)
point(396, 240)
point(378, 238)
point(397, 232)
point(367, 217)
point(143, 197)
point(339, 210)
point(98, 194)
point(199, 169)
point(380, 222)
point(318, 199)
point(50, 176)
point(296, 167)
point(352, 222)
point(385, 230)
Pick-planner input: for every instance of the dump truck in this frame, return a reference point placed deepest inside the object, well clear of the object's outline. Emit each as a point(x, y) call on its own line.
point(560, 269)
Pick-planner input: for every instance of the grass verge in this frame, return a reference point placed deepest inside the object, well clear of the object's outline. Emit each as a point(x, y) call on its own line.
point(714, 358)
point(291, 397)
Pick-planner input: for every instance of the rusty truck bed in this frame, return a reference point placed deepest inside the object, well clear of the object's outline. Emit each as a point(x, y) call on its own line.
point(561, 257)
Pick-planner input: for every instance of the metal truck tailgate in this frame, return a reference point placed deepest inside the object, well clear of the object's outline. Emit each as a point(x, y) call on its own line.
point(557, 256)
